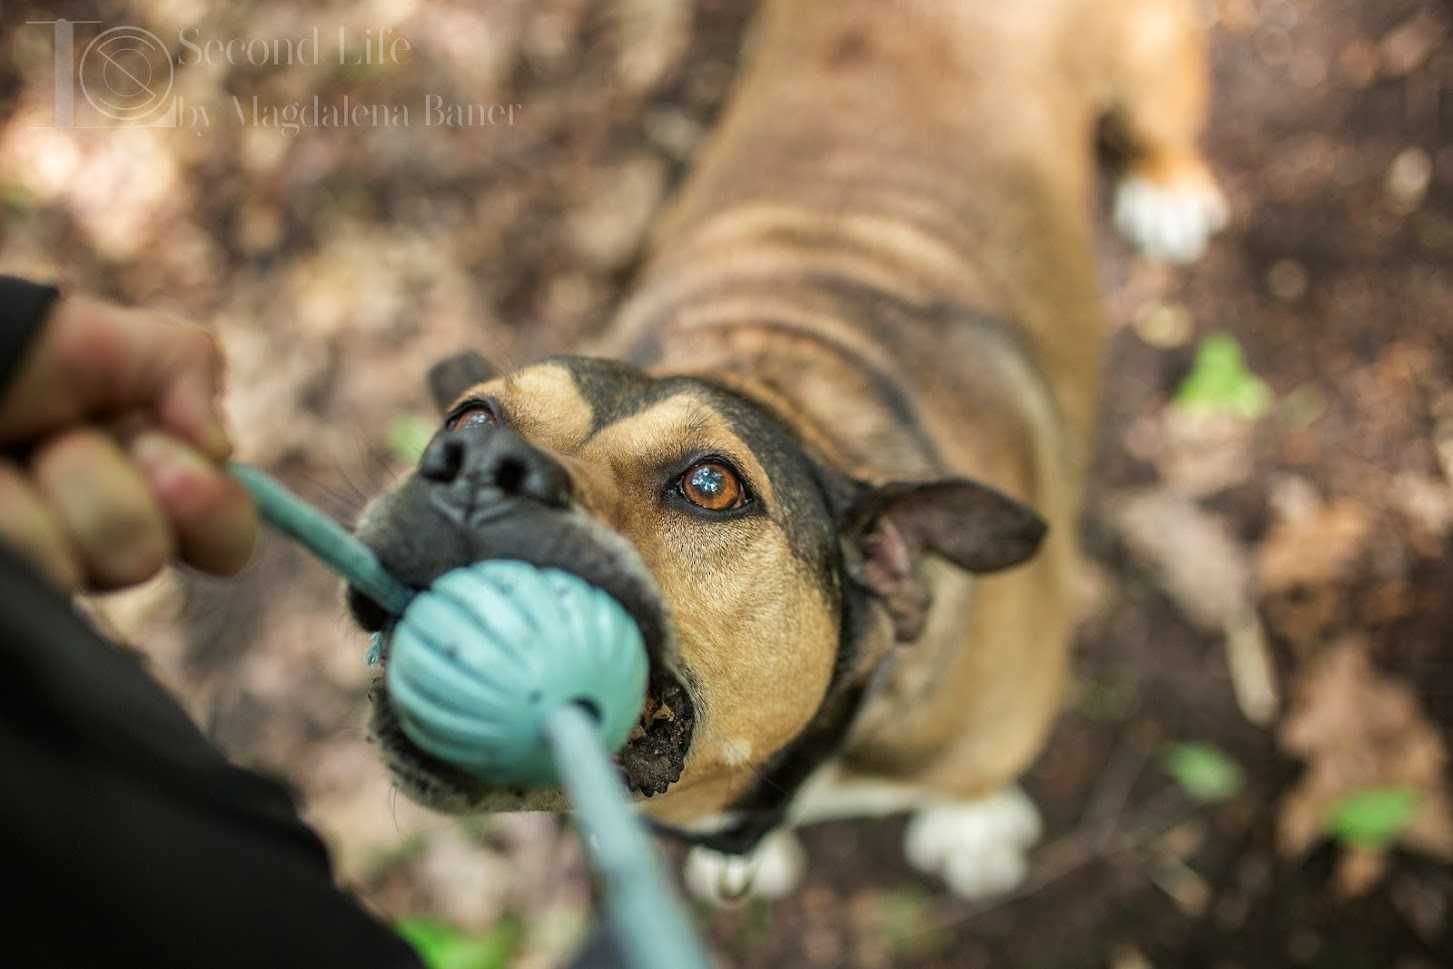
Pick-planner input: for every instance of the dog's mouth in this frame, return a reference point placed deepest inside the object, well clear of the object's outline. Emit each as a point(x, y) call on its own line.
point(652, 759)
point(655, 754)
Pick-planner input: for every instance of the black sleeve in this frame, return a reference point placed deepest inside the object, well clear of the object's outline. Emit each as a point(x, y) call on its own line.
point(129, 838)
point(23, 308)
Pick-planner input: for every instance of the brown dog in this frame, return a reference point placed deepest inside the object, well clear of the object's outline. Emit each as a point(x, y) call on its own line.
point(865, 345)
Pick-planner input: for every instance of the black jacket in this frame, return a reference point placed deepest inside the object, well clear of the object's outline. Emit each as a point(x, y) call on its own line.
point(128, 840)
point(127, 837)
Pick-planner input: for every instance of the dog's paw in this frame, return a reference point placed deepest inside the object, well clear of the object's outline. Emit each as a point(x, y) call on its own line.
point(979, 848)
point(1170, 219)
point(773, 870)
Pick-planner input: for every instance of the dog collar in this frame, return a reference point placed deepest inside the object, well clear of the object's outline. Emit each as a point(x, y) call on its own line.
point(765, 806)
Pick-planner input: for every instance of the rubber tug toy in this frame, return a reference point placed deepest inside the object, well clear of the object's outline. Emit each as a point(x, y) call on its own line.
point(522, 676)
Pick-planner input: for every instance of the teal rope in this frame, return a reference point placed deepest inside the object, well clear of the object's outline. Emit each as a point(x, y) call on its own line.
point(325, 538)
point(650, 923)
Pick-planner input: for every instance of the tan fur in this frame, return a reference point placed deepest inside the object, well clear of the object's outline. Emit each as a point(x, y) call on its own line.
point(934, 151)
point(887, 174)
point(703, 574)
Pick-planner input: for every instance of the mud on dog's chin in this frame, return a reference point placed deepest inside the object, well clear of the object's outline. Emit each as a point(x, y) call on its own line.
point(654, 756)
point(651, 761)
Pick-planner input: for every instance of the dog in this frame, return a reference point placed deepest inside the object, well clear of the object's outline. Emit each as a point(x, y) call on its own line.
point(830, 453)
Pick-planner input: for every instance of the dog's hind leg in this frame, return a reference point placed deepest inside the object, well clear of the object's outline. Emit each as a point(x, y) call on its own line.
point(1167, 202)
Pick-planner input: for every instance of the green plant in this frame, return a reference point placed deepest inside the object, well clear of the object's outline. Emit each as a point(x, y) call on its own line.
point(444, 947)
point(408, 435)
point(1219, 381)
point(1204, 772)
point(1372, 818)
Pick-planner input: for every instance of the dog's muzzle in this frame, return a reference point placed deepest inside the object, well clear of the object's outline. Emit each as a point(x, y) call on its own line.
point(487, 493)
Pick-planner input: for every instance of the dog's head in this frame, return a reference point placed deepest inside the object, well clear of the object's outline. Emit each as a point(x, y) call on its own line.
point(753, 569)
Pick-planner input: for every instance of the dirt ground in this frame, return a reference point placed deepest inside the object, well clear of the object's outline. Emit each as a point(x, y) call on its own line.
point(336, 262)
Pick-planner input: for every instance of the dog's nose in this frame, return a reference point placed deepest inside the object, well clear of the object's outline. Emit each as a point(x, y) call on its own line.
point(495, 458)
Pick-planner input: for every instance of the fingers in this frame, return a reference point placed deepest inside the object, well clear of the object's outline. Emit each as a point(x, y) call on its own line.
point(28, 526)
point(184, 380)
point(99, 513)
point(94, 359)
point(117, 532)
point(212, 518)
point(98, 510)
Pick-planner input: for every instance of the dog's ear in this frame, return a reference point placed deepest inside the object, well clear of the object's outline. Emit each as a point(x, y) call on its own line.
point(887, 529)
point(454, 375)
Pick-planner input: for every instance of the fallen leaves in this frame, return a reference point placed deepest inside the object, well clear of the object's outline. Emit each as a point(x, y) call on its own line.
point(1302, 565)
point(1206, 571)
point(1198, 453)
point(1315, 548)
point(1202, 442)
point(610, 220)
point(1375, 768)
point(1374, 761)
point(1407, 46)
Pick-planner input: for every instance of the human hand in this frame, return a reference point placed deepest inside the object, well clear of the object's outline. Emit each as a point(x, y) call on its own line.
point(116, 413)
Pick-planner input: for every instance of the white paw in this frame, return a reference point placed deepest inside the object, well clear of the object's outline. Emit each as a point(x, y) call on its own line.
point(771, 871)
point(1169, 223)
point(979, 848)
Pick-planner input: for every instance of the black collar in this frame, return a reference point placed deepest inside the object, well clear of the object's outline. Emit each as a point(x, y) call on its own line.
point(765, 806)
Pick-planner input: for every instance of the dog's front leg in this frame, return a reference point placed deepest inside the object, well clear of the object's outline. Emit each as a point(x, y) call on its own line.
point(772, 869)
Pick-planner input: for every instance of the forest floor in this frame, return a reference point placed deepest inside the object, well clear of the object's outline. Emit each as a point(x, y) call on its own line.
point(1290, 567)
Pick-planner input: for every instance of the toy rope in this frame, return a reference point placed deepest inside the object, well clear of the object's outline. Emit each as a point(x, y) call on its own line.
point(649, 922)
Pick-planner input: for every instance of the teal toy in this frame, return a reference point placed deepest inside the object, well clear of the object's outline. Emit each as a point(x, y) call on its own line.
point(479, 661)
point(520, 676)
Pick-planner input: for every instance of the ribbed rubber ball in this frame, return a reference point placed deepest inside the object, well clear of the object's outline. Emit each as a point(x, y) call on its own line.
point(479, 660)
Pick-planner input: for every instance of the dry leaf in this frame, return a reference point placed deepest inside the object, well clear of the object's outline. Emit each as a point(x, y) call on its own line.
point(1359, 870)
point(1198, 562)
point(1358, 729)
point(1313, 549)
point(1197, 453)
point(1407, 46)
point(1205, 570)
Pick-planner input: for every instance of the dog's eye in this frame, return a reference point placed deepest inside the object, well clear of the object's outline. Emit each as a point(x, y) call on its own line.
point(714, 486)
point(476, 413)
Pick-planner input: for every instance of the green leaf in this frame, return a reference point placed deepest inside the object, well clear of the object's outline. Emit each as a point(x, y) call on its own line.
point(1204, 772)
point(408, 435)
point(1220, 383)
point(16, 197)
point(1372, 818)
point(443, 947)
point(904, 920)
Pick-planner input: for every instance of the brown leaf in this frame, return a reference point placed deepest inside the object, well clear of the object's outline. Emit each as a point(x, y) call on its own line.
point(1358, 729)
point(1315, 549)
point(1200, 565)
point(1205, 570)
point(1408, 45)
point(1197, 453)
point(1359, 870)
